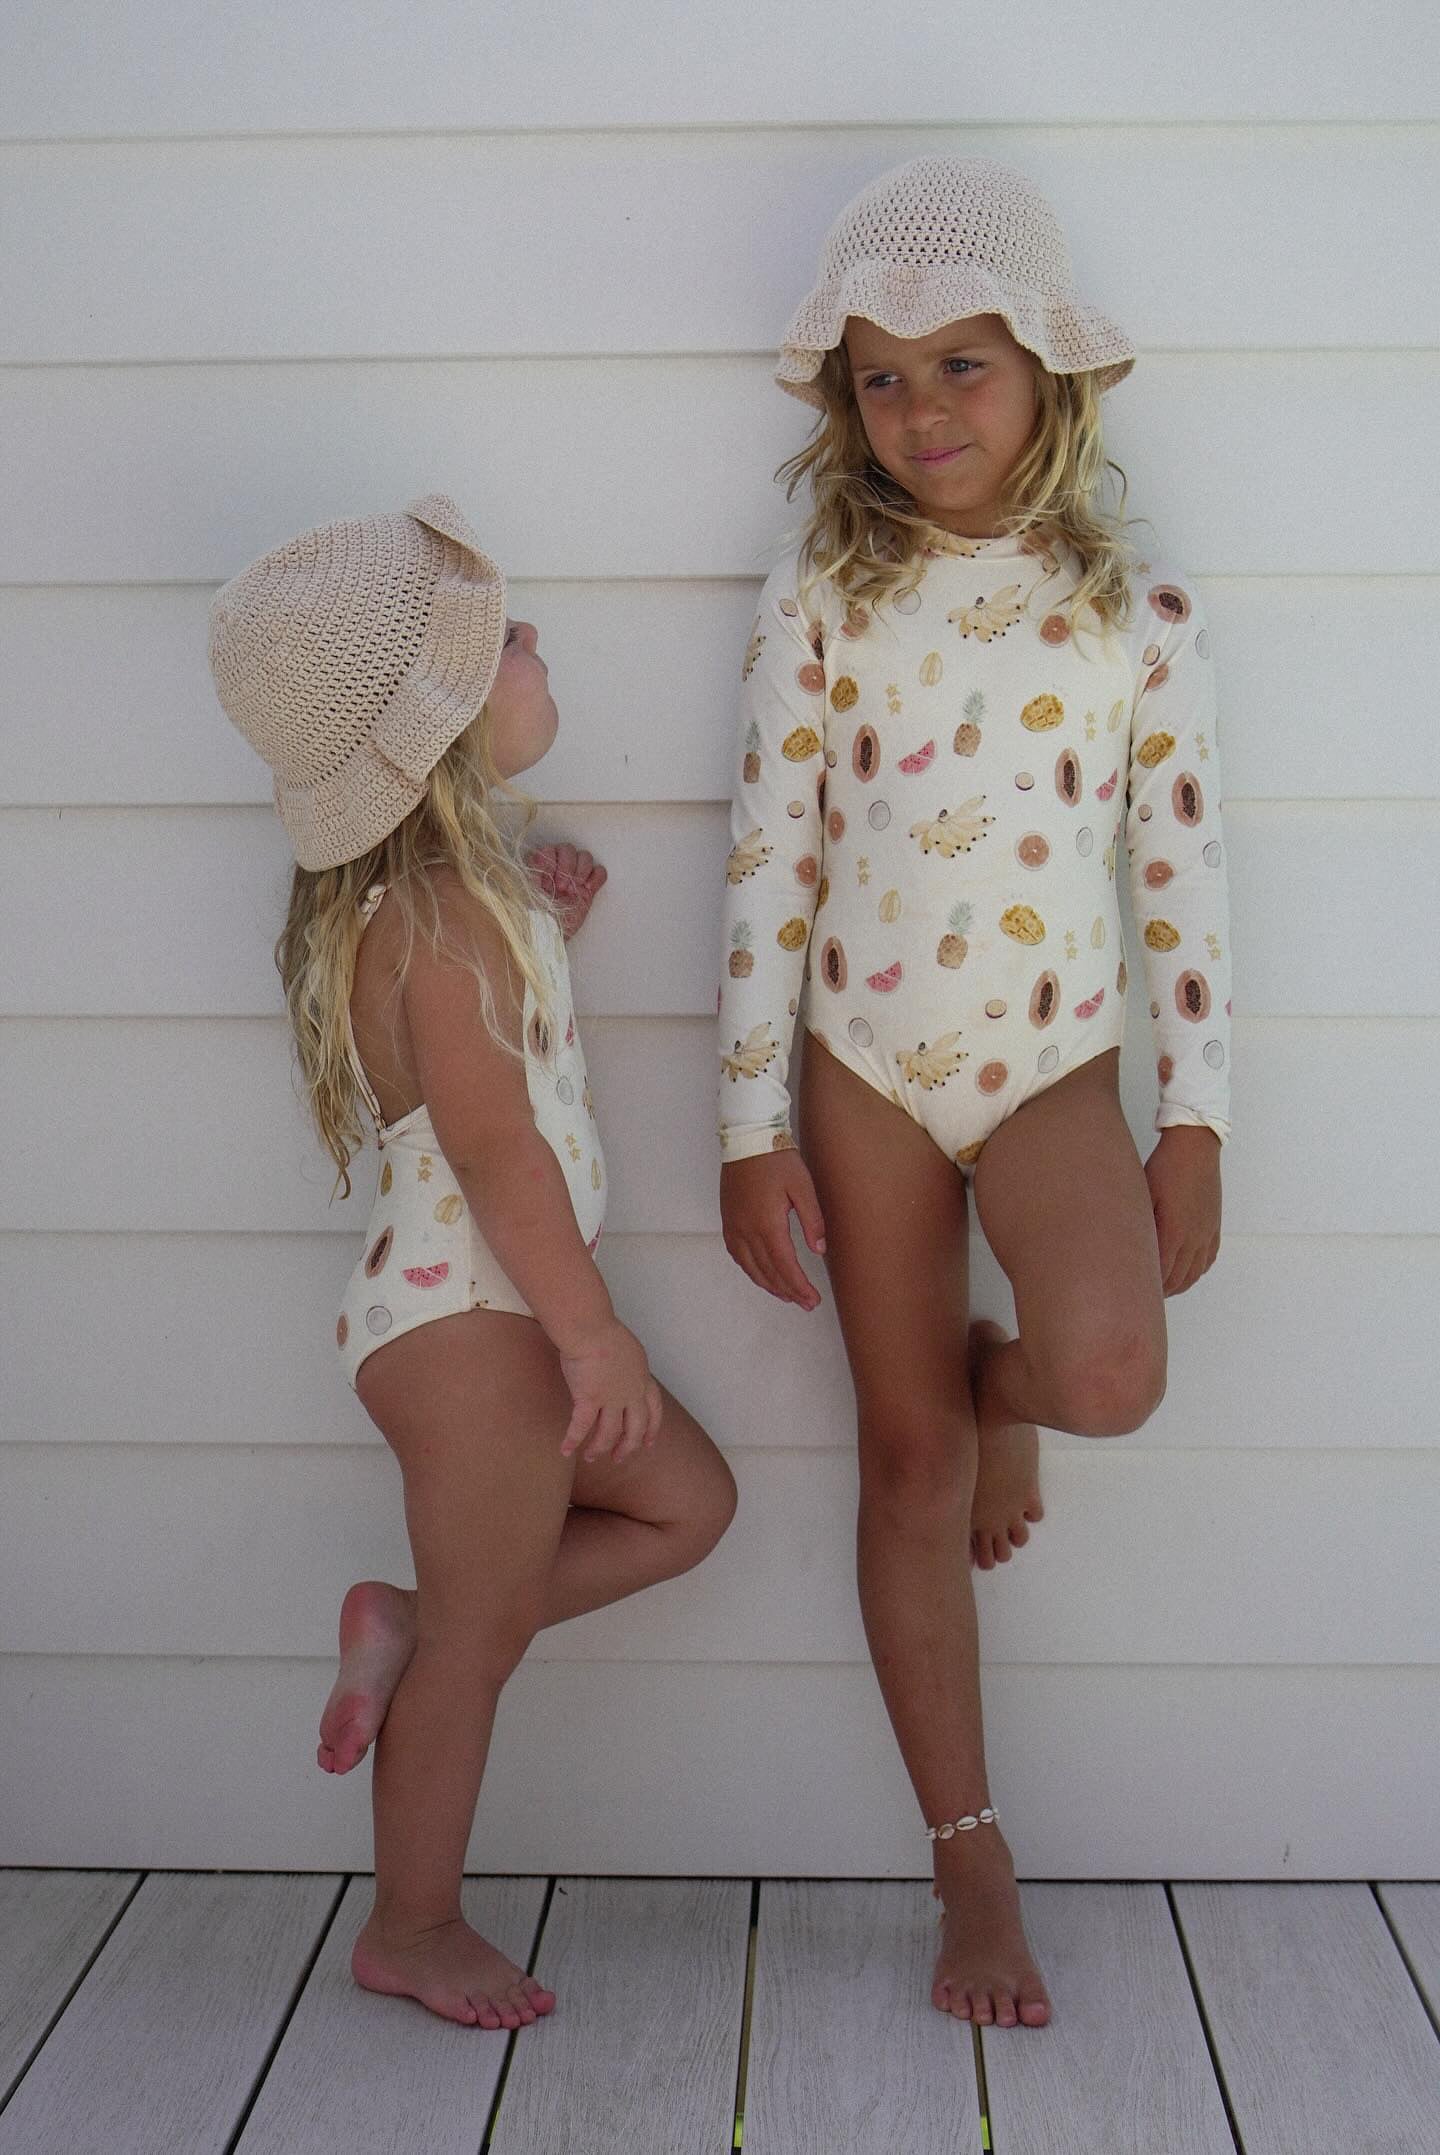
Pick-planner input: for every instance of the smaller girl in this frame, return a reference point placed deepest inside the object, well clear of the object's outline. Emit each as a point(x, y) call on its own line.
point(371, 664)
point(966, 702)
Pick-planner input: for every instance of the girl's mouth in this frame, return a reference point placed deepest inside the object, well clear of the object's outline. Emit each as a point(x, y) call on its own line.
point(933, 457)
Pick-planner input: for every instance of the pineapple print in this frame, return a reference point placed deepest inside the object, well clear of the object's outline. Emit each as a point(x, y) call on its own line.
point(742, 954)
point(954, 949)
point(967, 736)
point(752, 755)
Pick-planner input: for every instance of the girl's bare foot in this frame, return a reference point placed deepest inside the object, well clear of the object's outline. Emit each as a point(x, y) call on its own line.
point(452, 1970)
point(1007, 1484)
point(984, 1971)
point(377, 1638)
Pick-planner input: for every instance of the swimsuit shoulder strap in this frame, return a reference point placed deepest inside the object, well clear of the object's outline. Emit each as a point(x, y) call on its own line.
point(367, 910)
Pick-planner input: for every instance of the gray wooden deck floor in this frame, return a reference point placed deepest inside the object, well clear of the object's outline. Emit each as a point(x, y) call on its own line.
point(176, 2014)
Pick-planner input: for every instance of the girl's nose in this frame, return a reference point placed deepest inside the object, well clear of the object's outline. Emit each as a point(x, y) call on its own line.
point(527, 634)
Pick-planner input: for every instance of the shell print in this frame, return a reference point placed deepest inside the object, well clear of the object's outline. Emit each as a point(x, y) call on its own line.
point(989, 618)
point(948, 835)
point(751, 1057)
point(930, 1066)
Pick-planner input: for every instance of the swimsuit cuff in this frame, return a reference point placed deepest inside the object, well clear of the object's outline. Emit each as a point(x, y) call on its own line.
point(1171, 1115)
point(747, 1143)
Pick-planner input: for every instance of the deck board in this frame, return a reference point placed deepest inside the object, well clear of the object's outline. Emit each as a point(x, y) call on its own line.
point(50, 1924)
point(362, 2075)
point(160, 2046)
point(1123, 2065)
point(1415, 1912)
point(1319, 2031)
point(640, 2055)
point(846, 2050)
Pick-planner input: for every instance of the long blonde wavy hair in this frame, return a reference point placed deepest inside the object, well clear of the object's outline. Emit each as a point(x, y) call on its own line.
point(471, 821)
point(865, 529)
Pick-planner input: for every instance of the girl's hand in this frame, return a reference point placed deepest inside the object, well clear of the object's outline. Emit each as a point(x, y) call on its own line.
point(1183, 1173)
point(571, 878)
point(757, 1198)
point(617, 1401)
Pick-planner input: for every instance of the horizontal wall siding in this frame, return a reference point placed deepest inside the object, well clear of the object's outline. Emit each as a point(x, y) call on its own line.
point(149, 473)
point(1265, 1352)
point(542, 264)
point(116, 258)
point(172, 913)
point(1312, 1153)
point(209, 1549)
point(1325, 683)
point(80, 68)
point(1099, 1773)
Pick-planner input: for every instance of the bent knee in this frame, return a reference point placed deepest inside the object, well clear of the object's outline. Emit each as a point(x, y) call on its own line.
point(709, 1509)
point(1113, 1387)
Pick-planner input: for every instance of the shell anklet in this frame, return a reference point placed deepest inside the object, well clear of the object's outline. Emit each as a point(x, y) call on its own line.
point(988, 1817)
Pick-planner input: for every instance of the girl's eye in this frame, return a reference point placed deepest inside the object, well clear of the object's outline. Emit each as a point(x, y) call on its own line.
point(967, 364)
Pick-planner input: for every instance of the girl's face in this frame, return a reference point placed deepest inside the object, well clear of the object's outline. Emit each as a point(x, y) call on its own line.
point(948, 415)
point(520, 711)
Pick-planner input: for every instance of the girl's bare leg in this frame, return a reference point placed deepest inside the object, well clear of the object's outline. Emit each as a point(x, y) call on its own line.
point(650, 1518)
point(477, 1428)
point(897, 1252)
point(1063, 1200)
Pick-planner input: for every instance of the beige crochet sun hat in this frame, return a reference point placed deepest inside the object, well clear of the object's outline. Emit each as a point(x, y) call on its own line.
point(350, 658)
point(939, 239)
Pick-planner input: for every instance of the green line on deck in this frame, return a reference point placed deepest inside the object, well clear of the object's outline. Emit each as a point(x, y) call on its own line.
point(744, 2068)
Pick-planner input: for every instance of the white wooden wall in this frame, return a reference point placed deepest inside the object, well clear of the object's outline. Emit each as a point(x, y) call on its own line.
point(265, 266)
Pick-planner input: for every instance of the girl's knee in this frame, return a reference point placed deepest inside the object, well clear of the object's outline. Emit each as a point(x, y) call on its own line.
point(712, 1499)
point(1112, 1387)
point(914, 1459)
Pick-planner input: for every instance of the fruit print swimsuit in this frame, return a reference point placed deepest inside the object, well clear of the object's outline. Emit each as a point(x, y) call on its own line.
point(424, 1257)
point(933, 798)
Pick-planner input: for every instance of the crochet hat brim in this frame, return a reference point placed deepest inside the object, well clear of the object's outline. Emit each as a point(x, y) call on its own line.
point(1066, 336)
point(442, 692)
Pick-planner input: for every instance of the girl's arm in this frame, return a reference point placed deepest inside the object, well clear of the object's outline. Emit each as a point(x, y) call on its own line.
point(1179, 890)
point(771, 893)
point(479, 1104)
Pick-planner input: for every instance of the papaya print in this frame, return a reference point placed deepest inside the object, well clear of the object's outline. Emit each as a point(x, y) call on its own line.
point(1081, 755)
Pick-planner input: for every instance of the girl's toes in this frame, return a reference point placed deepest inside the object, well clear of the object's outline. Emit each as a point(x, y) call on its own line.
point(1034, 2011)
point(1035, 1512)
point(940, 1997)
point(486, 2011)
point(1019, 1535)
point(542, 1999)
point(960, 2004)
point(1005, 2013)
point(1003, 1550)
point(984, 2010)
point(516, 1998)
point(984, 1552)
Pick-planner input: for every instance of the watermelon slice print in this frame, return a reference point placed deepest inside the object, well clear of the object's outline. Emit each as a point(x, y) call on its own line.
point(427, 1275)
point(885, 983)
point(1103, 793)
point(1082, 1010)
point(920, 761)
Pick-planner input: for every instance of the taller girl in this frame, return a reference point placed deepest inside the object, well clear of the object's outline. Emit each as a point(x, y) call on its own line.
point(961, 694)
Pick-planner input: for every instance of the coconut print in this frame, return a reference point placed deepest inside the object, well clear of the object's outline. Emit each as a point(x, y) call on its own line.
point(948, 835)
point(930, 1066)
point(989, 618)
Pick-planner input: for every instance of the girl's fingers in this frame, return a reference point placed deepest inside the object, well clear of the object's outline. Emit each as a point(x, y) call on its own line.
point(781, 1251)
point(581, 1417)
point(761, 1269)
